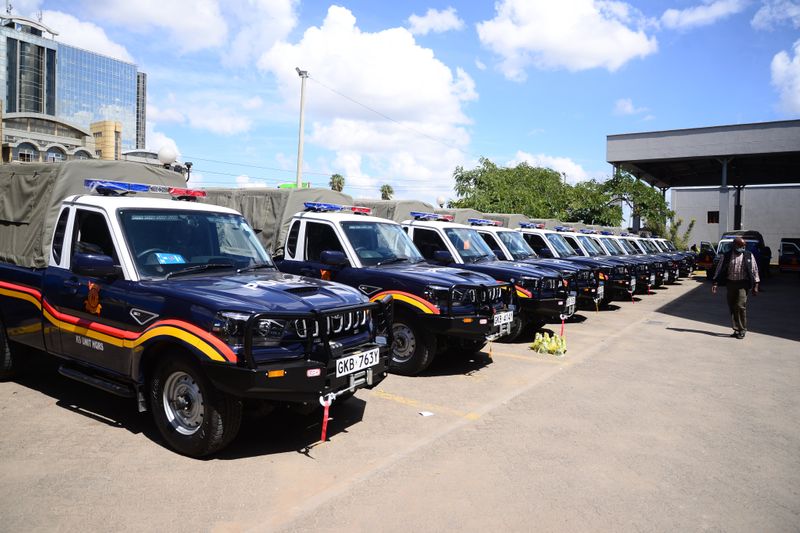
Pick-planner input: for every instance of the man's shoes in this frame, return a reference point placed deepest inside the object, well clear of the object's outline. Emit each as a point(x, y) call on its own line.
point(740, 335)
point(735, 334)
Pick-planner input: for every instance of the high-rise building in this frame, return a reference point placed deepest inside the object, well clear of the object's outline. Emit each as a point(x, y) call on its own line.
point(48, 88)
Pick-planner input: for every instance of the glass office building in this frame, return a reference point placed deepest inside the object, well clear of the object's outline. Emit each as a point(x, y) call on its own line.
point(91, 87)
point(45, 77)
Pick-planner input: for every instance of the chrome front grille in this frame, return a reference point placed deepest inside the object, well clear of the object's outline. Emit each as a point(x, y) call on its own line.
point(335, 324)
point(641, 268)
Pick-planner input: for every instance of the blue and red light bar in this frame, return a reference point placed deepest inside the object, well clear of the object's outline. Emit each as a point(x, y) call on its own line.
point(606, 232)
point(589, 231)
point(110, 187)
point(419, 215)
point(563, 228)
point(484, 222)
point(531, 225)
point(322, 207)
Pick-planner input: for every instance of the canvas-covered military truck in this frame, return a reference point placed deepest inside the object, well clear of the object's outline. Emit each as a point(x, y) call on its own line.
point(175, 304)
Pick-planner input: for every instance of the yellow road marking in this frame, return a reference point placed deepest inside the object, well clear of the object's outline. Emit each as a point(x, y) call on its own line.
point(532, 359)
point(422, 405)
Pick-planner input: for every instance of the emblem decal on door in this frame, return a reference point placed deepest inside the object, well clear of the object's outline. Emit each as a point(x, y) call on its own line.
point(142, 317)
point(92, 302)
point(369, 290)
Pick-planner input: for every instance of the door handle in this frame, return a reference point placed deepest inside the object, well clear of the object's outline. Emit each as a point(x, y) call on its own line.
point(70, 286)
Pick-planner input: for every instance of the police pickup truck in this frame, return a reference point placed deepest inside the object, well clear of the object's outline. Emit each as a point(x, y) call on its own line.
point(686, 259)
point(543, 294)
point(620, 280)
point(435, 307)
point(667, 267)
point(510, 245)
point(173, 303)
point(644, 267)
point(583, 244)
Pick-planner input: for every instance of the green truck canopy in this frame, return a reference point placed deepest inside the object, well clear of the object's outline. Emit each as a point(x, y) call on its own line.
point(31, 195)
point(397, 210)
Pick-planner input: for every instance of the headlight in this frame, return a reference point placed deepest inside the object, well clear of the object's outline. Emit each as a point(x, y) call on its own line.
point(230, 327)
point(466, 296)
point(622, 270)
point(437, 295)
point(530, 283)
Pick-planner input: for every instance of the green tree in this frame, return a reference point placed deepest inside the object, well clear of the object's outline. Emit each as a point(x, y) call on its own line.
point(645, 202)
point(590, 203)
point(386, 192)
point(531, 191)
point(337, 182)
point(673, 233)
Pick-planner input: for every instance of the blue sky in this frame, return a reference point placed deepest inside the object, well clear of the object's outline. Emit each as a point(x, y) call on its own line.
point(402, 92)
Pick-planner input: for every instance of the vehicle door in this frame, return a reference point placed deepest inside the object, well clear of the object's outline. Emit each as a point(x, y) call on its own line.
point(494, 244)
point(91, 313)
point(573, 242)
point(429, 242)
point(539, 244)
point(789, 255)
point(317, 237)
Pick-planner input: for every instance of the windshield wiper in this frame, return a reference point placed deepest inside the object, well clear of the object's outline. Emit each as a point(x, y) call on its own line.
point(199, 268)
point(479, 258)
point(254, 267)
point(391, 260)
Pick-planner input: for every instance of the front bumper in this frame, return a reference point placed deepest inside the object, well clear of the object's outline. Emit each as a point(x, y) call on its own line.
point(550, 308)
point(299, 380)
point(471, 327)
point(623, 287)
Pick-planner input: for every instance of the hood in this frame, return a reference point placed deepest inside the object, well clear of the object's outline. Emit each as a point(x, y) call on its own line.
point(273, 291)
point(426, 273)
point(505, 270)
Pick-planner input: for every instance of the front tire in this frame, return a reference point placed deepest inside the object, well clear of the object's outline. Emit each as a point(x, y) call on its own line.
point(194, 418)
point(413, 348)
point(7, 366)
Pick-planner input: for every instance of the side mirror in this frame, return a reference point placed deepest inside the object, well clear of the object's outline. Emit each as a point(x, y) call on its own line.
point(94, 265)
point(333, 258)
point(545, 252)
point(442, 256)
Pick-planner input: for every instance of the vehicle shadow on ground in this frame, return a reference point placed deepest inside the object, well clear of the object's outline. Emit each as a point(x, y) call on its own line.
point(454, 362)
point(282, 430)
point(773, 312)
point(287, 430)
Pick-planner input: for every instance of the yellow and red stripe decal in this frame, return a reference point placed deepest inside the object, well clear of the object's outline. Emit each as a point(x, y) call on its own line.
point(523, 293)
point(203, 341)
point(411, 299)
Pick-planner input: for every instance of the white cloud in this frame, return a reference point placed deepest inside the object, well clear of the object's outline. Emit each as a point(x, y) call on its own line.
point(157, 140)
point(191, 25)
point(786, 79)
point(576, 35)
point(703, 14)
point(480, 64)
point(573, 171)
point(217, 119)
point(776, 12)
point(253, 103)
point(435, 21)
point(84, 35)
point(624, 106)
point(261, 23)
point(244, 180)
point(386, 71)
point(157, 114)
point(25, 8)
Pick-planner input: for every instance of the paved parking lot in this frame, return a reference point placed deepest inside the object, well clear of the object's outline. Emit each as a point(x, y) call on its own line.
point(654, 420)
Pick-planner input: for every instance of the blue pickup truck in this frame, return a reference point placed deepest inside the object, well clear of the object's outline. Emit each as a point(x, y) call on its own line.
point(173, 303)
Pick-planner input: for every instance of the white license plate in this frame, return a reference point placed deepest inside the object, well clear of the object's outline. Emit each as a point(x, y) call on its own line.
point(633, 284)
point(652, 279)
point(505, 317)
point(359, 361)
point(570, 301)
point(601, 290)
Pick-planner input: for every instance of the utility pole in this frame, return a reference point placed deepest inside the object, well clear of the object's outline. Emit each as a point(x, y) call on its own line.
point(303, 75)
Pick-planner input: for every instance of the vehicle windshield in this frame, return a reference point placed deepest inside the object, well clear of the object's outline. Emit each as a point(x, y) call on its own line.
point(469, 244)
point(516, 245)
point(590, 246)
point(380, 243)
point(612, 246)
point(648, 245)
point(669, 246)
point(164, 242)
point(725, 246)
point(628, 246)
point(560, 244)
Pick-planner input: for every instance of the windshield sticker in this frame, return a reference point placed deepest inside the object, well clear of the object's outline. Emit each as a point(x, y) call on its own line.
point(169, 259)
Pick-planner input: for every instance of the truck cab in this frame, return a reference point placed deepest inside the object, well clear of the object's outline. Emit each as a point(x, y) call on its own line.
point(644, 267)
point(509, 245)
point(658, 266)
point(620, 280)
point(178, 305)
point(543, 294)
point(789, 255)
point(436, 307)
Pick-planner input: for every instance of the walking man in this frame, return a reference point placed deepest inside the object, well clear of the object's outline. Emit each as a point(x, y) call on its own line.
point(739, 272)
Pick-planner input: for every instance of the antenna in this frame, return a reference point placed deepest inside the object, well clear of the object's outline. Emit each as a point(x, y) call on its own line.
point(39, 16)
point(9, 7)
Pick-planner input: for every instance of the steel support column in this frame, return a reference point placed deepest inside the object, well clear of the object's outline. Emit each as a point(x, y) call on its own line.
point(724, 199)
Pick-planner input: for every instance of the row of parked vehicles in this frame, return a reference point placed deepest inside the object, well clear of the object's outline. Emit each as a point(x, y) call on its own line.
point(178, 305)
